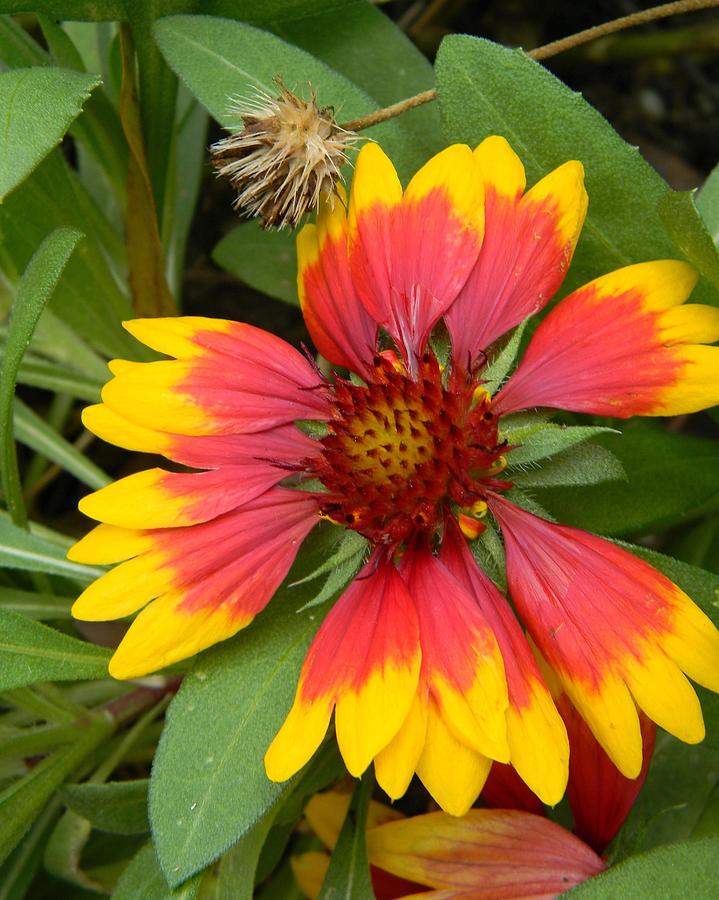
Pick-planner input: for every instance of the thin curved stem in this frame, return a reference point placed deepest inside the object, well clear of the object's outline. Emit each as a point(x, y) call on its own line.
point(544, 52)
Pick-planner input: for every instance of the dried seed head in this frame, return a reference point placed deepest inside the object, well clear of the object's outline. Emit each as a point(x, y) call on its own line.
point(288, 152)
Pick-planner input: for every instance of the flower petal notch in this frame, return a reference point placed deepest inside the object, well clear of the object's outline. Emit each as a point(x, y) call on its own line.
point(411, 253)
point(364, 663)
point(616, 632)
point(625, 344)
point(206, 582)
point(528, 245)
point(227, 378)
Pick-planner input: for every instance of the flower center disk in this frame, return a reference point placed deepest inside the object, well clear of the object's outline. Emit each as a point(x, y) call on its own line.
point(400, 448)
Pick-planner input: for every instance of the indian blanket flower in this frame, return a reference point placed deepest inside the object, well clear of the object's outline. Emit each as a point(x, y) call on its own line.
point(422, 660)
point(488, 854)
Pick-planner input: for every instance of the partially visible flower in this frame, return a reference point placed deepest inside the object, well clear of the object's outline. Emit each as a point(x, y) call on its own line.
point(600, 797)
point(421, 660)
point(288, 152)
point(484, 855)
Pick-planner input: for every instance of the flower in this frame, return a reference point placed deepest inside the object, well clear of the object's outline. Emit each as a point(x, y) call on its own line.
point(485, 854)
point(288, 152)
point(600, 797)
point(422, 660)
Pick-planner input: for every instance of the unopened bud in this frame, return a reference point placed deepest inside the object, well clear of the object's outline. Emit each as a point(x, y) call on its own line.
point(288, 152)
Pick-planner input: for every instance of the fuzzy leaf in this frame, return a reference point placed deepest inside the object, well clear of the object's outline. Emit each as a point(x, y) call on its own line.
point(348, 876)
point(36, 287)
point(653, 496)
point(219, 59)
point(265, 260)
point(31, 652)
point(33, 431)
point(229, 708)
point(678, 870)
point(494, 375)
point(487, 89)
point(546, 439)
point(143, 878)
point(683, 222)
point(38, 106)
point(119, 807)
point(581, 464)
point(34, 553)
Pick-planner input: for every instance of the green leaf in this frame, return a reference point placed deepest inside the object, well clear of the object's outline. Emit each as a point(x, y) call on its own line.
point(36, 287)
point(19, 869)
point(265, 260)
point(35, 605)
point(84, 10)
point(90, 297)
point(545, 439)
point(708, 823)
point(229, 707)
point(488, 89)
point(35, 553)
point(678, 870)
point(501, 364)
point(36, 372)
point(22, 800)
point(708, 203)
point(38, 106)
point(653, 496)
point(119, 807)
point(348, 875)
point(143, 878)
point(219, 59)
point(579, 465)
point(31, 652)
point(682, 220)
point(33, 431)
point(236, 875)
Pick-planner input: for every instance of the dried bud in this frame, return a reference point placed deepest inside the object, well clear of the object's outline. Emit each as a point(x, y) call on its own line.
point(287, 154)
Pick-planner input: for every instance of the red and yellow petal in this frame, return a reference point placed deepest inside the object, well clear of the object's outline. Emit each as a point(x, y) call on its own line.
point(461, 662)
point(411, 254)
point(155, 498)
point(537, 739)
point(228, 378)
point(452, 772)
point(488, 853)
point(616, 632)
point(364, 662)
point(396, 764)
point(600, 797)
point(284, 445)
point(342, 330)
point(205, 581)
point(623, 345)
point(528, 245)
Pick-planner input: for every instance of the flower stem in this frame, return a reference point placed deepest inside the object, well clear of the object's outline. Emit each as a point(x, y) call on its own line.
point(544, 52)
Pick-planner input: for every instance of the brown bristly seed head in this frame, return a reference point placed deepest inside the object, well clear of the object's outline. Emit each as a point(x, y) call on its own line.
point(288, 152)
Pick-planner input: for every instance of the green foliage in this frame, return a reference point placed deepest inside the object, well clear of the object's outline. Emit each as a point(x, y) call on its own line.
point(37, 284)
point(31, 652)
point(348, 875)
point(652, 496)
point(520, 99)
point(38, 106)
point(686, 869)
point(119, 807)
point(267, 261)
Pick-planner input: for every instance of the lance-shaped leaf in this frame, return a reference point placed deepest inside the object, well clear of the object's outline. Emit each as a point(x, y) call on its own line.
point(38, 105)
